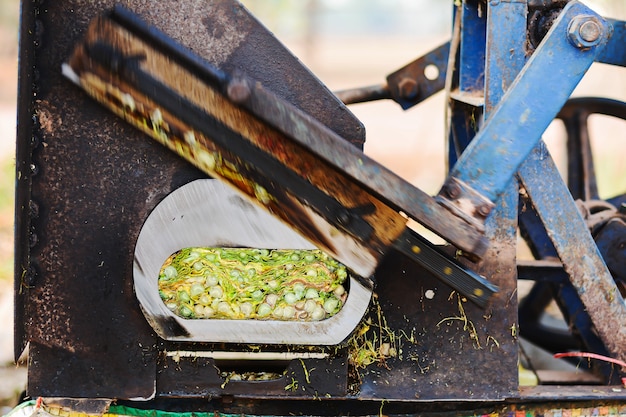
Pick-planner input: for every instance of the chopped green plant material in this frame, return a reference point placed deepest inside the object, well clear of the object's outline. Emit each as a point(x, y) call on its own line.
point(253, 284)
point(373, 342)
point(249, 376)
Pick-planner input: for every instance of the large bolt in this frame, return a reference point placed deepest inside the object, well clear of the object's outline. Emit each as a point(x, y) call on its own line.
point(452, 190)
point(408, 88)
point(585, 31)
point(590, 31)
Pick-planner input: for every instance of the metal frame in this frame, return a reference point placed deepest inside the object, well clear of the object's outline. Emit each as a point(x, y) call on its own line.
point(83, 316)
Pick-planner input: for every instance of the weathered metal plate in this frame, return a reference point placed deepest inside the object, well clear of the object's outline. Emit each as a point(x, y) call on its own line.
point(86, 182)
point(95, 181)
point(447, 348)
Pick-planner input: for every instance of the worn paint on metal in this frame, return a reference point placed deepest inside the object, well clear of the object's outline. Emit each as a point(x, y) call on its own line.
point(535, 97)
point(576, 248)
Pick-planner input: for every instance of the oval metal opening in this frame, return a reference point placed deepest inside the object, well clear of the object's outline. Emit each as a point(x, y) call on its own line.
point(209, 214)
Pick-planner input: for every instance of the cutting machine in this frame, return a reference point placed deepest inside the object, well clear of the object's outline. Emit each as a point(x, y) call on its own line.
point(147, 128)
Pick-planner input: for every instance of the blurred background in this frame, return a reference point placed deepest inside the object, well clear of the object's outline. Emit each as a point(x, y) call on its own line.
point(346, 43)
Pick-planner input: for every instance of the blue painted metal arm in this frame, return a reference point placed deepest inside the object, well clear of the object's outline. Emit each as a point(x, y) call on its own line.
point(516, 124)
point(614, 52)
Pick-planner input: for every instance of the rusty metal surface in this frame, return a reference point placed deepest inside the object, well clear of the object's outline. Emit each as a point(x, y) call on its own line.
point(92, 181)
point(96, 181)
point(580, 256)
point(225, 34)
point(449, 348)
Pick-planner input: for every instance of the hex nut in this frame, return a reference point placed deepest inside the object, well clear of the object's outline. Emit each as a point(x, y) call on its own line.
point(585, 31)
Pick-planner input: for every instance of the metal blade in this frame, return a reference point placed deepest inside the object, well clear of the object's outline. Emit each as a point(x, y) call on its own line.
point(468, 283)
point(192, 108)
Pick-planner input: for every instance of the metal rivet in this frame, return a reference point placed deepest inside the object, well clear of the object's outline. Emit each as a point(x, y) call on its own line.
point(344, 218)
point(33, 209)
point(29, 277)
point(33, 239)
point(238, 91)
point(484, 210)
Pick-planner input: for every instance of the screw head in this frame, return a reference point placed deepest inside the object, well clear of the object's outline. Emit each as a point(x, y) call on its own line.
point(590, 31)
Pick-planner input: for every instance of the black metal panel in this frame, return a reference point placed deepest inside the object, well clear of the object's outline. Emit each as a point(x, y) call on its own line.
point(94, 180)
point(448, 349)
point(89, 181)
point(194, 377)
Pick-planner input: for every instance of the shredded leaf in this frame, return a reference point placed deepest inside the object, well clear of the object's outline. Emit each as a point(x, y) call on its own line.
point(245, 283)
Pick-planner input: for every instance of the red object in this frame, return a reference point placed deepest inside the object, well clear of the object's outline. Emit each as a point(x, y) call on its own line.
point(593, 356)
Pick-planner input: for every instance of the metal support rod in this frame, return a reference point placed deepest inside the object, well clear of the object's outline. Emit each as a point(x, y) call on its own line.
point(576, 248)
point(363, 94)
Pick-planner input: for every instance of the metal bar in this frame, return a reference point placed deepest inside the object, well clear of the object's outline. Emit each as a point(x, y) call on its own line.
point(363, 94)
point(24, 271)
point(544, 271)
point(528, 107)
point(472, 52)
point(473, 286)
point(576, 248)
point(504, 59)
point(614, 52)
point(576, 316)
point(372, 176)
point(505, 54)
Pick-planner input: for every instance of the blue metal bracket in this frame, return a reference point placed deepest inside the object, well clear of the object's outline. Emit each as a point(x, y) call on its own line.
point(614, 52)
point(516, 124)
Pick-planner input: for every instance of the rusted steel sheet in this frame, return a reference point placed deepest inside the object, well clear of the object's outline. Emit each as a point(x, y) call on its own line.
point(86, 182)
